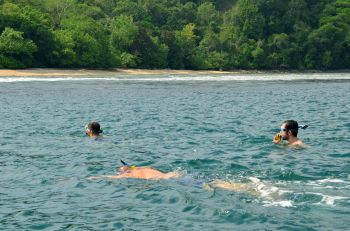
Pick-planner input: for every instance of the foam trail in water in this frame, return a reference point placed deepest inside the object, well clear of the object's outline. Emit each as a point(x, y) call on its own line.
point(286, 203)
point(331, 181)
point(270, 194)
point(328, 190)
point(327, 199)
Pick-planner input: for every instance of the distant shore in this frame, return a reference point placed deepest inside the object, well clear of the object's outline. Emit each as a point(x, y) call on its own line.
point(47, 72)
point(86, 72)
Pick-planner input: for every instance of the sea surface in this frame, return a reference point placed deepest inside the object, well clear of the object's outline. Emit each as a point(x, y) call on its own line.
point(205, 127)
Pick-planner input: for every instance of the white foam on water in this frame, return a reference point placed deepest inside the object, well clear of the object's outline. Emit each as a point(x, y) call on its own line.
point(254, 179)
point(167, 78)
point(329, 200)
point(327, 183)
point(285, 203)
point(281, 192)
point(331, 181)
point(328, 187)
point(265, 190)
point(271, 195)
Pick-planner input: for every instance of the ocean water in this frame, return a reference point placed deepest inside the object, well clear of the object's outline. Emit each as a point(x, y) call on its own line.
point(206, 127)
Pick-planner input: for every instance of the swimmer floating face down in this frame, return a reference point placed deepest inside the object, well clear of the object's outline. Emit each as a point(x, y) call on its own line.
point(131, 171)
point(254, 187)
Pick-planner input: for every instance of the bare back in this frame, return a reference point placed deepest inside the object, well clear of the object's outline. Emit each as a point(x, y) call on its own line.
point(147, 173)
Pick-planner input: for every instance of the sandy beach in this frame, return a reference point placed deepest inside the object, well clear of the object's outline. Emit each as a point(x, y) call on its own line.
point(86, 72)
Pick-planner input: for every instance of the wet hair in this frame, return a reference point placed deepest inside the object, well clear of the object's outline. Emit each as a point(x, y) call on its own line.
point(94, 128)
point(292, 126)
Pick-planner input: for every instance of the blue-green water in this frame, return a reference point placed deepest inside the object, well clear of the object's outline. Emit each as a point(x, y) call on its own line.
point(207, 127)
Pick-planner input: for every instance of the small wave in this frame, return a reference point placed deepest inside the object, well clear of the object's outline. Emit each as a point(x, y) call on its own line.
point(286, 203)
point(266, 191)
point(320, 192)
point(167, 78)
point(331, 181)
point(328, 184)
point(327, 199)
point(271, 195)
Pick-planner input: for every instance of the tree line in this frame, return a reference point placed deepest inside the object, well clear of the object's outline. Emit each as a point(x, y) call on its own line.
point(176, 34)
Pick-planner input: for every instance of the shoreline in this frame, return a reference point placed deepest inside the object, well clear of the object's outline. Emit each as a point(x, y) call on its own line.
point(54, 72)
point(46, 72)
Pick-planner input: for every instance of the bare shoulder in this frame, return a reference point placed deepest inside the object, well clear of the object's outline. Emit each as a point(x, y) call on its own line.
point(298, 143)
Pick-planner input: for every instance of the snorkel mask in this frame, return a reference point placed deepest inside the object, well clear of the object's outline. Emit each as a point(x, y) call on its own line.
point(87, 130)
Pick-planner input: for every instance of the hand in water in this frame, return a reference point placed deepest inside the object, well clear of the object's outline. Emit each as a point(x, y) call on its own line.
point(277, 138)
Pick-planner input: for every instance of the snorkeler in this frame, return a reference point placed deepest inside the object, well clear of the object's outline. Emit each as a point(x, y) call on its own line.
point(132, 171)
point(254, 186)
point(289, 133)
point(93, 130)
point(148, 173)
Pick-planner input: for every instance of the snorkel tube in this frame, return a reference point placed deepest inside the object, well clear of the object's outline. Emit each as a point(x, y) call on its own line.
point(127, 165)
point(303, 126)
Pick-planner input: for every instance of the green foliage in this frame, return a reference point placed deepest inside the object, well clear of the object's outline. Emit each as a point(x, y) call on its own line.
point(328, 45)
point(35, 26)
point(279, 45)
point(179, 16)
point(209, 51)
point(248, 20)
point(123, 32)
point(82, 44)
point(130, 8)
point(15, 51)
point(207, 16)
point(296, 13)
point(150, 51)
point(194, 34)
point(64, 54)
point(58, 9)
point(176, 53)
point(186, 42)
point(128, 60)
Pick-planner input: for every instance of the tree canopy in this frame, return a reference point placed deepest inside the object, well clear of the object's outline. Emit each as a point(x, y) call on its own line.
point(177, 34)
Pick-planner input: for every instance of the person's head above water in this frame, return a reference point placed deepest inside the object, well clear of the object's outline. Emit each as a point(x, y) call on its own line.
point(289, 132)
point(289, 128)
point(93, 129)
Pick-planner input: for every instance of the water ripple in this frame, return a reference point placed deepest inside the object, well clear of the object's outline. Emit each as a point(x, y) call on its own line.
point(205, 127)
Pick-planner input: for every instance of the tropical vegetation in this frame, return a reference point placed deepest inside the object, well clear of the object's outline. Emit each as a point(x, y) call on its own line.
point(176, 34)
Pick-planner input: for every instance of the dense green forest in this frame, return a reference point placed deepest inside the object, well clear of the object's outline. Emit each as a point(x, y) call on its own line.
point(176, 34)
